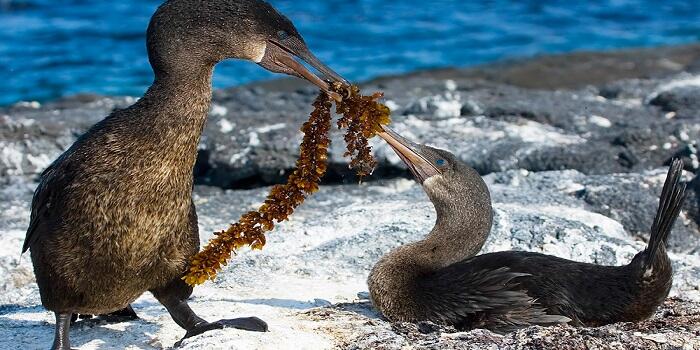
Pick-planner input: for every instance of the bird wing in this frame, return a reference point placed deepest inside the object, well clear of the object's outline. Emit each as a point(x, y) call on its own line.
point(469, 295)
point(41, 204)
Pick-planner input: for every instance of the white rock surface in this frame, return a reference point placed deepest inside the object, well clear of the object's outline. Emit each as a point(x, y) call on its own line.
point(305, 282)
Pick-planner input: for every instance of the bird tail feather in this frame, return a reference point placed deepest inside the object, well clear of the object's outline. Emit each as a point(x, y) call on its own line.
point(670, 203)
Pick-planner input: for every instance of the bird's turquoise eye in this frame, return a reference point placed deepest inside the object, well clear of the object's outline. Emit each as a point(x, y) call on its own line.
point(282, 35)
point(440, 162)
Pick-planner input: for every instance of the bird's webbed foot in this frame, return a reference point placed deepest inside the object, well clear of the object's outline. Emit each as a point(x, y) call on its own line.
point(252, 324)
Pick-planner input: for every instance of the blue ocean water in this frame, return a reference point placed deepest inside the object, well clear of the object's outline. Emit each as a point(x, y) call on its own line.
point(52, 48)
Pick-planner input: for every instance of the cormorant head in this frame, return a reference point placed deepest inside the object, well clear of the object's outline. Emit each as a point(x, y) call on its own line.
point(449, 182)
point(189, 34)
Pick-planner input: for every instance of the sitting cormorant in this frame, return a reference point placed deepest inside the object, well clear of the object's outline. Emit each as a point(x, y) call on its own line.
point(439, 279)
point(113, 216)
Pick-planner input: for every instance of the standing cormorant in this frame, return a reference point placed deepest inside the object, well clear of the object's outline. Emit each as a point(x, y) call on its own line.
point(439, 279)
point(113, 216)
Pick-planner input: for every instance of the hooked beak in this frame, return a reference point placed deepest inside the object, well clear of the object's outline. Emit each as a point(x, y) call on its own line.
point(280, 58)
point(421, 168)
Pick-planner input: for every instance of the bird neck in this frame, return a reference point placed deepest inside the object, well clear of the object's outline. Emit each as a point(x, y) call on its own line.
point(460, 231)
point(182, 96)
point(461, 228)
point(173, 114)
point(463, 208)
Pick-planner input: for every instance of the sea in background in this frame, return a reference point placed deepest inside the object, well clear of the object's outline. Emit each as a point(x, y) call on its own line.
point(50, 48)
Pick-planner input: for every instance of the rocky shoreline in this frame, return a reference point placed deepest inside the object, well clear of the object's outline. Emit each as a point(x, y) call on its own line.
point(573, 148)
point(630, 110)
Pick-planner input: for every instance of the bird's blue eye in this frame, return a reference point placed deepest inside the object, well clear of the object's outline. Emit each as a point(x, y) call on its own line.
point(282, 35)
point(440, 162)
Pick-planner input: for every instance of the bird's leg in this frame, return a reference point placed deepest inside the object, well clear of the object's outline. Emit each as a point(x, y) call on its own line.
point(60, 340)
point(174, 298)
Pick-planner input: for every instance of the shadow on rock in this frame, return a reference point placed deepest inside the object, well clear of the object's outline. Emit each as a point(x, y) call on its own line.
point(286, 303)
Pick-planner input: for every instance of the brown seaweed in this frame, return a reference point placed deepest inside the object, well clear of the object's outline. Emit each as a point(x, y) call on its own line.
point(362, 116)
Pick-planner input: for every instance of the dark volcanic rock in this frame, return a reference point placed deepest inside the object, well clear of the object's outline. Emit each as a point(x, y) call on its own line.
point(692, 201)
point(252, 136)
point(579, 69)
point(685, 101)
point(33, 135)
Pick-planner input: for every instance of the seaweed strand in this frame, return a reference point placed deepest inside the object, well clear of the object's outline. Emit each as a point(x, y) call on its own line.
point(363, 117)
point(280, 203)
